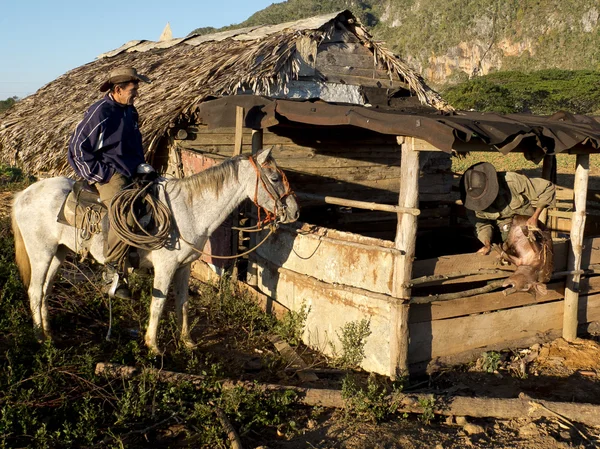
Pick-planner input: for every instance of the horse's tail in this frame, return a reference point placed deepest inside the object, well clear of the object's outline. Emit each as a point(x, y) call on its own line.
point(21, 256)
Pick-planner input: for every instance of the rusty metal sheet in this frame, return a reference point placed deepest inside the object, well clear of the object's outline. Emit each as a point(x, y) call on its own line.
point(557, 133)
point(535, 135)
point(334, 257)
point(330, 308)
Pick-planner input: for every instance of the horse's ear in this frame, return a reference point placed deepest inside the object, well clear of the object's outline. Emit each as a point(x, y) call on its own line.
point(263, 155)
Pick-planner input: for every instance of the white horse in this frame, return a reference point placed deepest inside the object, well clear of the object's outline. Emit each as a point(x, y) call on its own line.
point(199, 204)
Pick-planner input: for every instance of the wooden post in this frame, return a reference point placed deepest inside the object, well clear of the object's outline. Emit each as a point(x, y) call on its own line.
point(549, 173)
point(251, 275)
point(575, 248)
point(406, 239)
point(235, 222)
point(257, 140)
point(239, 130)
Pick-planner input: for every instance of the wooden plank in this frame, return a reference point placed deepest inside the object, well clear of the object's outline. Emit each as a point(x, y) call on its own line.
point(370, 72)
point(468, 263)
point(239, 126)
point(452, 336)
point(493, 301)
point(306, 55)
point(364, 81)
point(292, 359)
point(576, 247)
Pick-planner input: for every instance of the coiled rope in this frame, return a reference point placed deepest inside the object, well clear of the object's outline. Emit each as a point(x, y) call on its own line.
point(122, 207)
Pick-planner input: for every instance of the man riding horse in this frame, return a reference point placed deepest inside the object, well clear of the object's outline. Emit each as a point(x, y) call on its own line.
point(106, 150)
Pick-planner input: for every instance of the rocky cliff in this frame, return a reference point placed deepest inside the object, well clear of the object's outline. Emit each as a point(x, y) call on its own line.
point(452, 40)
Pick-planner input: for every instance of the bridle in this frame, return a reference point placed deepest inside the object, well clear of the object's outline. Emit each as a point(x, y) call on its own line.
point(262, 178)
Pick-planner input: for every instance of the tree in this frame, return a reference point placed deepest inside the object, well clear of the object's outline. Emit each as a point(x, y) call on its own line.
point(6, 104)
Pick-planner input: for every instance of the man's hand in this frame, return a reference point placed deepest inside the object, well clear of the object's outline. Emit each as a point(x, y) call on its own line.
point(146, 173)
point(486, 249)
point(144, 169)
point(532, 222)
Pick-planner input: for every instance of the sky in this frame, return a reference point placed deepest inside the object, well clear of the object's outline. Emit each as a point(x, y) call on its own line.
point(41, 40)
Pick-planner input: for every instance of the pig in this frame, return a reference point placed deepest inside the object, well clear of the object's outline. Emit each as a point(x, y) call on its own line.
point(531, 251)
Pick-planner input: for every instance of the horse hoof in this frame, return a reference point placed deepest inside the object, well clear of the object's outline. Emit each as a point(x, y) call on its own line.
point(155, 351)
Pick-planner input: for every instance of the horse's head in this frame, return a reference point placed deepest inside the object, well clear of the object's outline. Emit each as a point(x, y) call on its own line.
point(271, 190)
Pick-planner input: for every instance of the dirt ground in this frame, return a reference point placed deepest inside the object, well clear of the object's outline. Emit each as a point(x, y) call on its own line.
point(556, 371)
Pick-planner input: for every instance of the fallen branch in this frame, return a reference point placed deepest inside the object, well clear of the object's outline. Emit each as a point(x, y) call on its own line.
point(499, 408)
point(293, 359)
point(234, 439)
point(444, 277)
point(464, 294)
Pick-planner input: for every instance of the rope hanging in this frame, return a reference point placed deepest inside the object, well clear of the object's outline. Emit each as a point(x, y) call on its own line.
point(122, 207)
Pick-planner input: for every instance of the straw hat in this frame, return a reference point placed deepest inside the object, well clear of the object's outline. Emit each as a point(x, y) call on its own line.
point(122, 75)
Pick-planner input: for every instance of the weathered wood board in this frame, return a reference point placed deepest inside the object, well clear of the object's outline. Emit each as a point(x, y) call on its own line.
point(441, 338)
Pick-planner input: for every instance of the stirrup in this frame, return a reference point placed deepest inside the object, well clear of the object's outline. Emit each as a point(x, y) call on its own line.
point(117, 289)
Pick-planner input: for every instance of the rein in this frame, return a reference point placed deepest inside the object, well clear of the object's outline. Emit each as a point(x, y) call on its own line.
point(260, 176)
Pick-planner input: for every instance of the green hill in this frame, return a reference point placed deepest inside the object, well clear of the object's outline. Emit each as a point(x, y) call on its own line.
point(451, 40)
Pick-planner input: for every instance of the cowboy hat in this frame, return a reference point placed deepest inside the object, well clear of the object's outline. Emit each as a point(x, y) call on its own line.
point(479, 186)
point(122, 75)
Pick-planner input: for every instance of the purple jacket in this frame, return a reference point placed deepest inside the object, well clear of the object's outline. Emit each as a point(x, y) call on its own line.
point(106, 141)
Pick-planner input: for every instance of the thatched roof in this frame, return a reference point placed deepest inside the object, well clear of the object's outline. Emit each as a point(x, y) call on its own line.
point(35, 132)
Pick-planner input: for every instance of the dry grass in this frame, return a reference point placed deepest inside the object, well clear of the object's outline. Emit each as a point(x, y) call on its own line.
point(517, 162)
point(5, 203)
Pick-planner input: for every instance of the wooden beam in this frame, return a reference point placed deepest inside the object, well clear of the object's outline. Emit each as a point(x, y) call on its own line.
point(549, 173)
point(237, 150)
point(359, 204)
point(239, 130)
point(574, 261)
point(500, 408)
point(405, 243)
point(461, 147)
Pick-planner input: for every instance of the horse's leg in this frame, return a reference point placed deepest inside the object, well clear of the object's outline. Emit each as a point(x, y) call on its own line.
point(180, 289)
point(40, 267)
point(55, 264)
point(162, 280)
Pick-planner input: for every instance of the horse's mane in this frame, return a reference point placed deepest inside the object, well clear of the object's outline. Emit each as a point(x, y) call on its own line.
point(211, 179)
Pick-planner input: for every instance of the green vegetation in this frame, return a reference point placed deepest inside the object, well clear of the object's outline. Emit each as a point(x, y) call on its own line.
point(353, 339)
point(427, 415)
point(490, 361)
point(299, 9)
point(543, 92)
point(6, 104)
point(371, 401)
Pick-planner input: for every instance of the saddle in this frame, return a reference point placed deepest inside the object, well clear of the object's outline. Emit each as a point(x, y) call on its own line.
point(82, 208)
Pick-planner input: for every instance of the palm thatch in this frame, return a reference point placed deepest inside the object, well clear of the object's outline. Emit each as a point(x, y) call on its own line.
point(34, 133)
